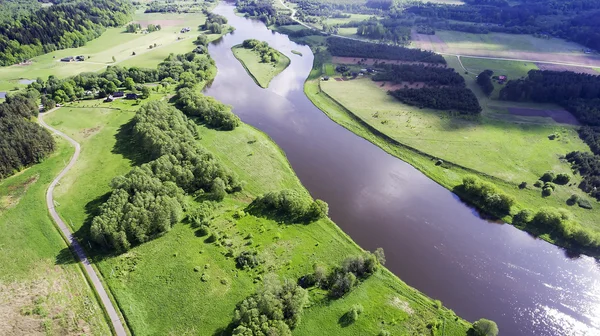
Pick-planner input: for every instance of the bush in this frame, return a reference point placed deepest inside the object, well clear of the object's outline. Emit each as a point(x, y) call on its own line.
point(523, 217)
point(551, 219)
point(485, 327)
point(523, 185)
point(218, 189)
point(213, 237)
point(562, 179)
point(342, 284)
point(583, 203)
point(538, 184)
point(290, 206)
point(248, 259)
point(548, 176)
point(487, 196)
point(353, 313)
point(572, 200)
point(547, 191)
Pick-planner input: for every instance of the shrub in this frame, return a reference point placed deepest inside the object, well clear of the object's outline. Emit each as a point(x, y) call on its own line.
point(218, 189)
point(523, 185)
point(384, 333)
point(213, 237)
point(523, 217)
point(290, 205)
point(551, 219)
point(548, 176)
point(583, 203)
point(342, 284)
point(201, 215)
point(572, 200)
point(547, 191)
point(487, 196)
point(248, 259)
point(485, 327)
point(562, 179)
point(354, 312)
point(538, 184)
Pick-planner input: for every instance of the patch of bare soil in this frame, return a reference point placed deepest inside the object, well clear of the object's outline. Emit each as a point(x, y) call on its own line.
point(87, 132)
point(560, 116)
point(372, 61)
point(38, 307)
point(556, 67)
point(428, 42)
point(401, 304)
point(15, 192)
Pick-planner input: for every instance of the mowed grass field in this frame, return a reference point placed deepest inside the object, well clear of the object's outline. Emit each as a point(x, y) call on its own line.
point(42, 289)
point(512, 149)
point(261, 72)
point(114, 42)
point(156, 285)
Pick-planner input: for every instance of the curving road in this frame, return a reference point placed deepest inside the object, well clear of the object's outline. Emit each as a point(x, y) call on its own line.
point(92, 275)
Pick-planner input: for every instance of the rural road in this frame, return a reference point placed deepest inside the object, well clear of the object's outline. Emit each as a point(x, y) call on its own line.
point(108, 306)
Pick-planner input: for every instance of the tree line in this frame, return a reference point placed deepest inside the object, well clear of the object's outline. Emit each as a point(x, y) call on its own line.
point(147, 201)
point(214, 22)
point(351, 48)
point(22, 141)
point(60, 26)
point(264, 51)
point(263, 10)
point(430, 75)
point(460, 99)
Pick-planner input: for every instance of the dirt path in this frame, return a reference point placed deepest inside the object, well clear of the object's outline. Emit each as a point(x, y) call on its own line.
point(108, 306)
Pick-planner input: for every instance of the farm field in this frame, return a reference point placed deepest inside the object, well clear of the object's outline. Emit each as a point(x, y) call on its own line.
point(261, 72)
point(115, 43)
point(42, 288)
point(501, 45)
point(155, 283)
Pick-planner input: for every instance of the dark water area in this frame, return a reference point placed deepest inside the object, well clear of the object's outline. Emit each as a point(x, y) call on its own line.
point(432, 240)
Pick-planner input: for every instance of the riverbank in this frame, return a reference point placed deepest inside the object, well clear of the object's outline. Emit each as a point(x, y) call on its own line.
point(261, 72)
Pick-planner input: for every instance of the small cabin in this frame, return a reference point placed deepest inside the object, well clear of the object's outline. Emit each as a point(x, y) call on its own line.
point(109, 99)
point(80, 58)
point(118, 94)
point(131, 96)
point(67, 59)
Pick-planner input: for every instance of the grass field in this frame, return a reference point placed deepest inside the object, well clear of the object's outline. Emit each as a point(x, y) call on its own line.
point(155, 284)
point(262, 73)
point(510, 148)
point(113, 43)
point(42, 289)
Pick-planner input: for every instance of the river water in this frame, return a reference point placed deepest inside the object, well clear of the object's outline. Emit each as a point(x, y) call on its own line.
point(432, 240)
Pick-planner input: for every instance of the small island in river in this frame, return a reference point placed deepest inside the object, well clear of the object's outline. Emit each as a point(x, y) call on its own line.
point(260, 60)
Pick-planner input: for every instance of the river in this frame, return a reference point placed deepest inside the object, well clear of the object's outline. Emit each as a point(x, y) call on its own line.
point(432, 240)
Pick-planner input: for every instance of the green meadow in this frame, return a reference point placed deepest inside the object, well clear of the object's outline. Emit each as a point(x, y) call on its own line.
point(261, 72)
point(181, 284)
point(42, 288)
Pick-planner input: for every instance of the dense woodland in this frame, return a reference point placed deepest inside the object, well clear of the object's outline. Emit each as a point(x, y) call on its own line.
point(148, 200)
point(459, 99)
point(263, 10)
point(351, 48)
point(63, 25)
point(429, 75)
point(22, 141)
point(209, 110)
point(214, 22)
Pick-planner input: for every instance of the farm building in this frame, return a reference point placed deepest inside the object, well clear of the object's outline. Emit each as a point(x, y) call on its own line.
point(67, 59)
point(131, 96)
point(118, 94)
point(80, 58)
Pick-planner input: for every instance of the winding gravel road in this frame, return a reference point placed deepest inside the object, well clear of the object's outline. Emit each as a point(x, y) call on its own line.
point(92, 275)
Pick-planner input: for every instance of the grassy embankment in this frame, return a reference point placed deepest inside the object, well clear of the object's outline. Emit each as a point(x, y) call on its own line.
point(155, 284)
point(261, 72)
point(42, 289)
point(499, 147)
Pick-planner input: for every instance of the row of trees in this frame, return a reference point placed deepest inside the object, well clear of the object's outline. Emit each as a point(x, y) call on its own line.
point(22, 142)
point(376, 30)
point(264, 51)
point(588, 166)
point(351, 48)
point(147, 201)
point(263, 10)
point(64, 25)
point(430, 75)
point(486, 196)
point(214, 22)
point(459, 99)
point(210, 111)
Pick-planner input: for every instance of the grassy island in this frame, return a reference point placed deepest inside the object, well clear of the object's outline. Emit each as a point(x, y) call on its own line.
point(261, 61)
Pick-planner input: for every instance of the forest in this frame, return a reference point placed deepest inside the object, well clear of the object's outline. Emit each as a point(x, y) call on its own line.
point(459, 99)
point(571, 20)
point(429, 75)
point(60, 26)
point(22, 141)
point(148, 200)
point(350, 48)
point(214, 22)
point(263, 10)
point(578, 93)
point(264, 51)
point(376, 30)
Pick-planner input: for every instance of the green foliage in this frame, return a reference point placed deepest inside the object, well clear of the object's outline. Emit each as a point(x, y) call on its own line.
point(274, 310)
point(63, 25)
point(523, 217)
point(548, 176)
point(351, 48)
point(485, 327)
point(352, 315)
point(484, 80)
point(289, 205)
point(209, 110)
point(487, 196)
point(22, 142)
point(218, 189)
point(265, 52)
point(214, 23)
point(461, 99)
point(248, 259)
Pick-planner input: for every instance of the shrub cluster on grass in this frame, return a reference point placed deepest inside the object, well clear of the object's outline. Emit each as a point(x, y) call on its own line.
point(147, 201)
point(290, 206)
point(588, 166)
point(214, 22)
point(487, 196)
point(342, 279)
point(274, 310)
point(264, 51)
point(248, 259)
point(209, 110)
point(22, 142)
